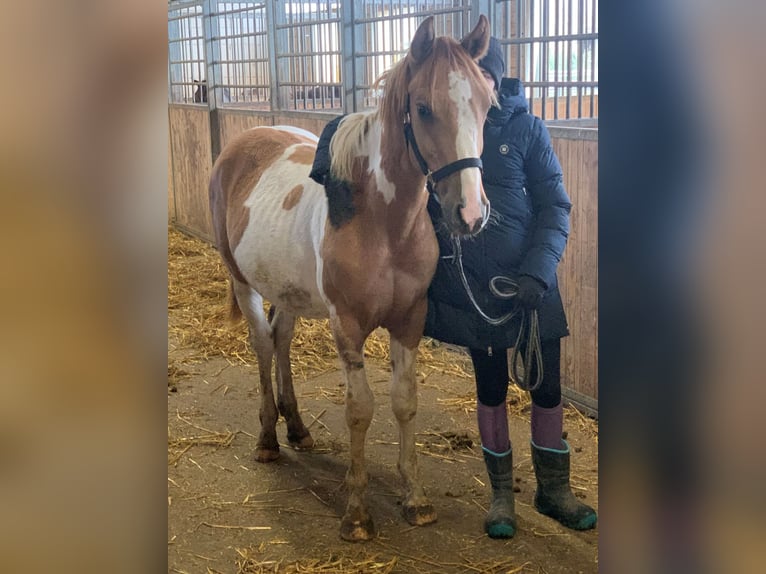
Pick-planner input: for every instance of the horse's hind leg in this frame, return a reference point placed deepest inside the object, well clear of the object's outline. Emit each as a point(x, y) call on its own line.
point(251, 304)
point(404, 402)
point(283, 327)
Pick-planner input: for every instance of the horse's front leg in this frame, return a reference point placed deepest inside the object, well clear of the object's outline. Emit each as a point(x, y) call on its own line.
point(356, 524)
point(404, 402)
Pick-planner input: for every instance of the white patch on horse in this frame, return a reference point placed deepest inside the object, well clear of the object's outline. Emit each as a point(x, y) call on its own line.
point(384, 185)
point(298, 131)
point(270, 265)
point(469, 131)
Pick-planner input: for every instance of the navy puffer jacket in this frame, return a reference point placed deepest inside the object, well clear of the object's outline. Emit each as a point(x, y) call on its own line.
point(526, 234)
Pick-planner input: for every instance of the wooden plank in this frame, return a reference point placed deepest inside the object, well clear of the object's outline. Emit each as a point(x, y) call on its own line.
point(312, 124)
point(171, 196)
point(566, 269)
point(232, 123)
point(589, 262)
point(578, 272)
point(191, 164)
point(537, 107)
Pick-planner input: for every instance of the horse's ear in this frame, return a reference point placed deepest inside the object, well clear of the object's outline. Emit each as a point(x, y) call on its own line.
point(477, 42)
point(423, 42)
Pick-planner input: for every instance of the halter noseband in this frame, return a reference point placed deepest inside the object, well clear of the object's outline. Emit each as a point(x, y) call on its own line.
point(433, 177)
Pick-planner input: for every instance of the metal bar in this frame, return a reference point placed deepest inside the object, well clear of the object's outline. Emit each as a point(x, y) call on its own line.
point(533, 60)
point(275, 99)
point(190, 61)
point(518, 36)
point(540, 84)
point(307, 23)
point(244, 34)
point(434, 12)
point(569, 58)
point(594, 6)
point(544, 57)
point(186, 39)
point(250, 8)
point(583, 36)
point(579, 57)
point(556, 62)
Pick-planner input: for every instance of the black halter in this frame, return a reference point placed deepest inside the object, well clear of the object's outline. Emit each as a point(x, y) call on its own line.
point(433, 177)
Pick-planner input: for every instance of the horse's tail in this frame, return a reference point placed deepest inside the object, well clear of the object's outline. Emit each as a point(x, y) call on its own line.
point(235, 313)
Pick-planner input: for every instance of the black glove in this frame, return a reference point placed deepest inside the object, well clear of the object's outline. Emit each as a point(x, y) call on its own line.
point(530, 292)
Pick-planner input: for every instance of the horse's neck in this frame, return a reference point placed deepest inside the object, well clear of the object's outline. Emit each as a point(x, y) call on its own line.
point(398, 165)
point(400, 183)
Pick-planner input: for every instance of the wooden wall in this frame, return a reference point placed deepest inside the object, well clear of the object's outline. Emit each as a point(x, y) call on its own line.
point(171, 194)
point(191, 160)
point(561, 103)
point(576, 147)
point(232, 122)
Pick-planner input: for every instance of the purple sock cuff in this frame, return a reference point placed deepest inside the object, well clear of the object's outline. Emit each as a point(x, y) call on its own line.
point(547, 426)
point(493, 427)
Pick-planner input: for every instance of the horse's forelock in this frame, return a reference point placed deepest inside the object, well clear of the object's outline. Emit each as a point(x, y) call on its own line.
point(447, 54)
point(394, 82)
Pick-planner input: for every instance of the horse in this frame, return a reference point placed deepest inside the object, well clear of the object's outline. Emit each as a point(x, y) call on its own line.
point(200, 92)
point(363, 258)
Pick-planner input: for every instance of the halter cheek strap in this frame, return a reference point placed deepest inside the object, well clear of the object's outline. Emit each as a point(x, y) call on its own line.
point(433, 177)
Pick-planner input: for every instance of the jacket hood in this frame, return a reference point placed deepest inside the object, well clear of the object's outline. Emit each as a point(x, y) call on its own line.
point(511, 100)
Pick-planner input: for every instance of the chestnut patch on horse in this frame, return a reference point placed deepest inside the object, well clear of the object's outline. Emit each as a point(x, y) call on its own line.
point(302, 154)
point(293, 197)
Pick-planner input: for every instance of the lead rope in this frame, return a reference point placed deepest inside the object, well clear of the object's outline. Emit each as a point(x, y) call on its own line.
point(529, 329)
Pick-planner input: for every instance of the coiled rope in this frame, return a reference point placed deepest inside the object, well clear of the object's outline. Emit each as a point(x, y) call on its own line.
point(529, 329)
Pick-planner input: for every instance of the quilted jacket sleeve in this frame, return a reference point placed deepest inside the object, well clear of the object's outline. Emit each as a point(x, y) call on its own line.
point(550, 204)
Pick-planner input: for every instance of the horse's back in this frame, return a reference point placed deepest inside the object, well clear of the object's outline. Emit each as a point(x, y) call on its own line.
point(269, 217)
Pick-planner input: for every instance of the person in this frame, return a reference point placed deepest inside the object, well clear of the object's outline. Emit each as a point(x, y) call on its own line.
point(523, 240)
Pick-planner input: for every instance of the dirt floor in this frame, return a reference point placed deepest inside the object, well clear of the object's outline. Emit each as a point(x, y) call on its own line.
point(230, 514)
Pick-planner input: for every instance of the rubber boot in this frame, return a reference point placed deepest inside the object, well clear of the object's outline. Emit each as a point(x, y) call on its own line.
point(501, 518)
point(554, 496)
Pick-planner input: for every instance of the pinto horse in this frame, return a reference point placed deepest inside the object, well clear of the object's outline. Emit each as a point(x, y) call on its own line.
point(364, 258)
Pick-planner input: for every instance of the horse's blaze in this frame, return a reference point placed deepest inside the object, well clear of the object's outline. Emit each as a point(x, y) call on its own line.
point(292, 198)
point(469, 136)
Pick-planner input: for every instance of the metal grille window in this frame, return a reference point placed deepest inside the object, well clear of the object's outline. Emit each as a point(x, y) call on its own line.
point(186, 54)
point(309, 55)
point(385, 30)
point(240, 54)
point(552, 46)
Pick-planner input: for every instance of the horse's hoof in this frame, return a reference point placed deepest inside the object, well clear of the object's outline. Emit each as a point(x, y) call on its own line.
point(266, 454)
point(357, 530)
point(419, 515)
point(305, 443)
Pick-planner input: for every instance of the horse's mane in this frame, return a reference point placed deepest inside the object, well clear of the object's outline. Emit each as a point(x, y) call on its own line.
point(394, 82)
point(347, 141)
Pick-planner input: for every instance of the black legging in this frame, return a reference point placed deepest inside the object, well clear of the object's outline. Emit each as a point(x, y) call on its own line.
point(492, 375)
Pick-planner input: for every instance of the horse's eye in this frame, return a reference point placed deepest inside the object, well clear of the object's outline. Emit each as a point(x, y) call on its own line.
point(424, 111)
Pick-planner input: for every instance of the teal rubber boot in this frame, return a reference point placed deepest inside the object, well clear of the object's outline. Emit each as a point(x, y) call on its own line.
point(501, 518)
point(554, 496)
